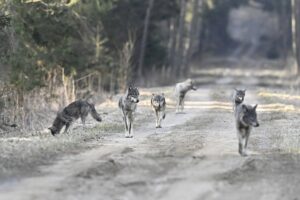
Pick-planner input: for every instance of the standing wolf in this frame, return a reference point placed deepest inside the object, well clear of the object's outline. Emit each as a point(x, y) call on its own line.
point(238, 98)
point(75, 110)
point(245, 118)
point(128, 104)
point(180, 91)
point(158, 103)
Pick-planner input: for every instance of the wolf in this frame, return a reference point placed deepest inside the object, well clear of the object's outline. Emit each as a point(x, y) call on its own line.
point(245, 119)
point(158, 103)
point(75, 110)
point(128, 104)
point(180, 91)
point(238, 98)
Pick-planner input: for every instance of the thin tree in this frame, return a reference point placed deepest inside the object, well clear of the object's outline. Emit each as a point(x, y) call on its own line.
point(193, 35)
point(125, 56)
point(180, 48)
point(144, 37)
point(172, 41)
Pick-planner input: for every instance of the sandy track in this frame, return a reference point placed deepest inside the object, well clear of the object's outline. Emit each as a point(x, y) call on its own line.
point(193, 157)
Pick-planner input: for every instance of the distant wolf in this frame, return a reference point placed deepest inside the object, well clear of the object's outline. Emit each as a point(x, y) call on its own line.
point(75, 110)
point(238, 98)
point(128, 104)
point(245, 118)
point(180, 91)
point(158, 103)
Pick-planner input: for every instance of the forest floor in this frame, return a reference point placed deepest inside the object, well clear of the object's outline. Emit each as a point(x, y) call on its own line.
point(194, 155)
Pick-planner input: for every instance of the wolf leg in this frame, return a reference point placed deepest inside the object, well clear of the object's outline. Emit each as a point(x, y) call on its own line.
point(127, 134)
point(130, 118)
point(67, 127)
point(157, 119)
point(244, 152)
point(164, 114)
point(246, 140)
point(177, 104)
point(83, 118)
point(126, 125)
point(161, 117)
point(240, 143)
point(182, 104)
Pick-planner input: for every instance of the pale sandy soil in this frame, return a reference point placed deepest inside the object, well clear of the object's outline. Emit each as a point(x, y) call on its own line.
point(194, 156)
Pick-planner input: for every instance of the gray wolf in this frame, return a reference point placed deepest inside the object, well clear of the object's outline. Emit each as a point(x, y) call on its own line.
point(238, 98)
point(245, 118)
point(180, 91)
point(158, 103)
point(128, 104)
point(75, 110)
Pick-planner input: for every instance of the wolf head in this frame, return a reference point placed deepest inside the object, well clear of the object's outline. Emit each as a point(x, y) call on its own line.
point(133, 94)
point(249, 115)
point(239, 95)
point(57, 125)
point(191, 84)
point(53, 130)
point(158, 100)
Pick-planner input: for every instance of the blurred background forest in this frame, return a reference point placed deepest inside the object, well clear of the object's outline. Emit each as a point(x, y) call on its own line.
point(55, 51)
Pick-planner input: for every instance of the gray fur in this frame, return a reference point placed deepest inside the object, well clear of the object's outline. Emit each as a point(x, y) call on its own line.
point(128, 104)
point(245, 118)
point(180, 91)
point(75, 110)
point(158, 103)
point(238, 98)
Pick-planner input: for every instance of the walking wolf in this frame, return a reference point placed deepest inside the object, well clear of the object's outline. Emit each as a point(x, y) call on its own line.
point(180, 91)
point(128, 104)
point(245, 118)
point(158, 103)
point(75, 110)
point(238, 98)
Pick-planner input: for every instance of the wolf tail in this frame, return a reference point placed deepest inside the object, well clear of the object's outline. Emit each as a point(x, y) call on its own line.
point(94, 113)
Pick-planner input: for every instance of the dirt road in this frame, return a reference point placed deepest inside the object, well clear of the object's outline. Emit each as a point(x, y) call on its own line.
point(194, 156)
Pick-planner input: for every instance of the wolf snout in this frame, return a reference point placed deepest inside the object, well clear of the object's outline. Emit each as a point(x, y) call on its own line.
point(99, 119)
point(256, 124)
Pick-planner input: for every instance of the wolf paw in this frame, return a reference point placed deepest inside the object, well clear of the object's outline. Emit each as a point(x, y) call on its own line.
point(159, 126)
point(243, 153)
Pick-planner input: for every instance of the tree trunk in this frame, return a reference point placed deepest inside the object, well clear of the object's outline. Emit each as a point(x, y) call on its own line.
point(173, 42)
point(296, 30)
point(193, 35)
point(144, 38)
point(180, 47)
point(285, 47)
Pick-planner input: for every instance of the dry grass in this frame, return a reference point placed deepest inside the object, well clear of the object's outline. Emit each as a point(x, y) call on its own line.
point(21, 152)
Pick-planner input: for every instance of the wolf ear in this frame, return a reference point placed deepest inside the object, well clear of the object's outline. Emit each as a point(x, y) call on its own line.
point(244, 90)
point(153, 94)
point(255, 106)
point(235, 89)
point(163, 94)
